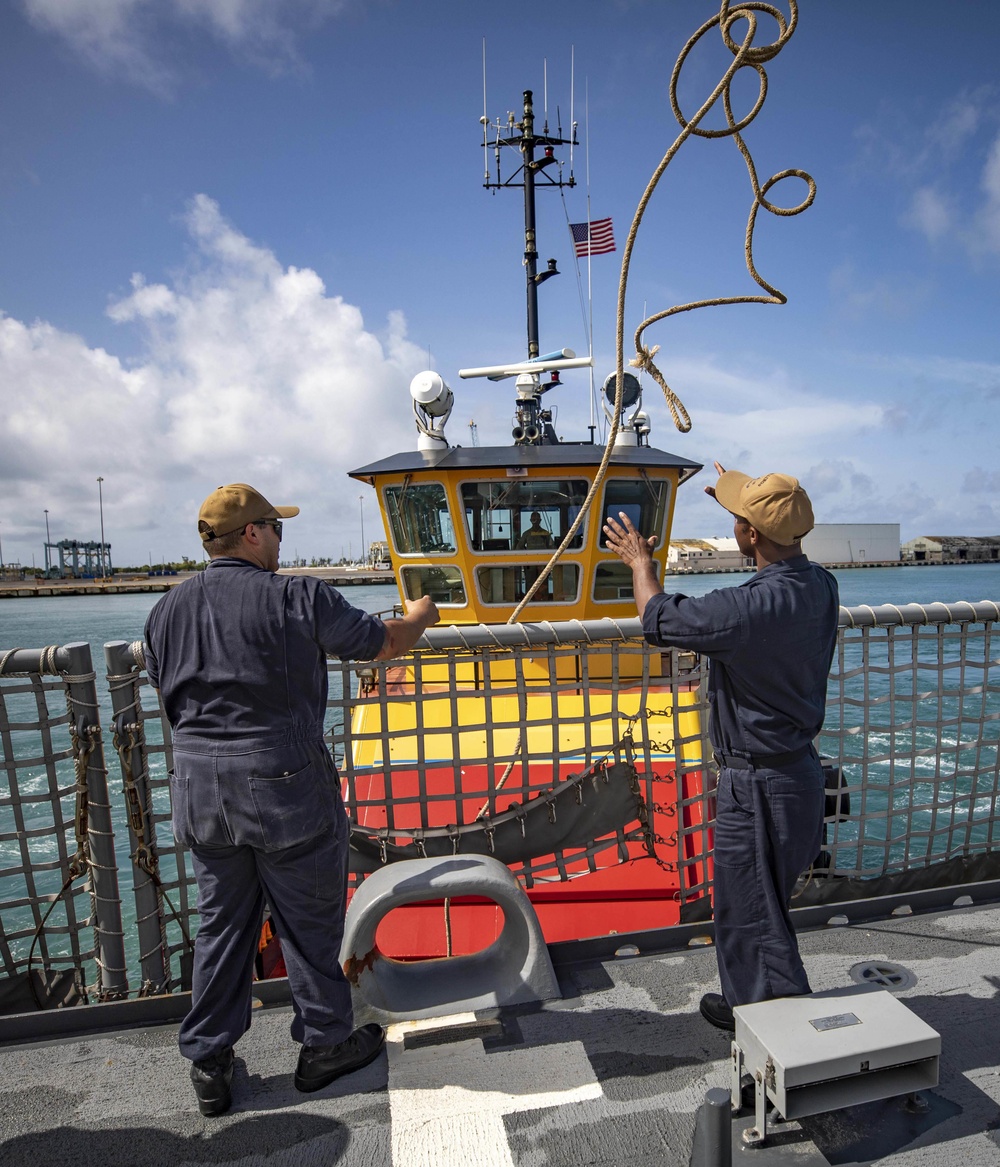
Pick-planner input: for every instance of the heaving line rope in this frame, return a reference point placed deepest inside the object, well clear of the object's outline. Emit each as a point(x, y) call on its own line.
point(745, 55)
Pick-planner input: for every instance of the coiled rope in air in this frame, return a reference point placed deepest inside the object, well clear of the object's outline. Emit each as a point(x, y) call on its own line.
point(746, 55)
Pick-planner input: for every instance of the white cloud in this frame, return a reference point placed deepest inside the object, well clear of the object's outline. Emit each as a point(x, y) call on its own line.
point(110, 35)
point(929, 213)
point(940, 162)
point(838, 428)
point(978, 377)
point(728, 404)
point(758, 420)
point(956, 124)
point(980, 481)
point(123, 38)
point(892, 144)
point(986, 233)
point(252, 373)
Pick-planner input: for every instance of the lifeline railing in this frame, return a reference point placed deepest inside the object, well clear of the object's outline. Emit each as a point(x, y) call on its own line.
point(913, 725)
point(913, 722)
point(511, 721)
point(58, 871)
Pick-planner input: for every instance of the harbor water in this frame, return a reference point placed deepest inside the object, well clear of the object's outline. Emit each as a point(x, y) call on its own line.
point(32, 622)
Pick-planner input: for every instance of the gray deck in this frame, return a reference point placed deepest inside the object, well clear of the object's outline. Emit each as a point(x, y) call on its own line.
point(612, 1074)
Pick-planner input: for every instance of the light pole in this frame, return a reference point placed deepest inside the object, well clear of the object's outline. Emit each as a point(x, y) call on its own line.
point(48, 540)
point(100, 498)
point(1, 555)
point(364, 554)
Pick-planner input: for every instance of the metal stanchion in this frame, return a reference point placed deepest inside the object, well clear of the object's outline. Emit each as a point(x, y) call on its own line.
point(713, 1131)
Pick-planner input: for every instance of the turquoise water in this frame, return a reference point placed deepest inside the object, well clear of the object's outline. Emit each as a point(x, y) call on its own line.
point(36, 621)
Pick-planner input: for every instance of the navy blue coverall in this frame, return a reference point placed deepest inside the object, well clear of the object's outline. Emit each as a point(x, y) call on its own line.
point(770, 644)
point(239, 657)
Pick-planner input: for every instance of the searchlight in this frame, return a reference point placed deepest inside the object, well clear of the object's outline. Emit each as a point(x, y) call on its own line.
point(632, 429)
point(432, 405)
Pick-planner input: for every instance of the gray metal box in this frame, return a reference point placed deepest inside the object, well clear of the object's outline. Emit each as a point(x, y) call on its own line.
point(831, 1050)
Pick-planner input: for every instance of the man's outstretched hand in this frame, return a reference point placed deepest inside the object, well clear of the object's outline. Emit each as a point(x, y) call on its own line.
point(626, 542)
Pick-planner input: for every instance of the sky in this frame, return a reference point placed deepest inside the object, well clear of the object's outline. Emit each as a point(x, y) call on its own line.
point(233, 230)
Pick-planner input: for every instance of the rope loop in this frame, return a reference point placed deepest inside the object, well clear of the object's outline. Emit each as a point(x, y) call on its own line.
point(644, 360)
point(746, 55)
point(759, 53)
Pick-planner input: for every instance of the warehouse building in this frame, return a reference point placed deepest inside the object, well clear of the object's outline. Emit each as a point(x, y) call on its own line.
point(956, 548)
point(720, 554)
point(853, 543)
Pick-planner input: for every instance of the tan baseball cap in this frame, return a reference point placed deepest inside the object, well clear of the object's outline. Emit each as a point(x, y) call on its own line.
point(774, 503)
point(228, 508)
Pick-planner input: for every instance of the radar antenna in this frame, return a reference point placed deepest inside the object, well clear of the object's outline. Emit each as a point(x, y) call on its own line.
point(538, 167)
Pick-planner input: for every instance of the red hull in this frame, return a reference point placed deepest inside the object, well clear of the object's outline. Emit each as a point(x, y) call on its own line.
point(640, 894)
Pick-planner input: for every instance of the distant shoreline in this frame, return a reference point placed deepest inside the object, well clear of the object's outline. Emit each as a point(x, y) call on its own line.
point(30, 589)
point(131, 585)
point(845, 566)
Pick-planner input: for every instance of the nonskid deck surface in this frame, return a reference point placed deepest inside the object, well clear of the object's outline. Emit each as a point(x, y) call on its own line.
point(612, 1074)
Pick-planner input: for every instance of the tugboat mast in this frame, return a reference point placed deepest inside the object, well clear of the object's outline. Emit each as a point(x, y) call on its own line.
point(533, 172)
point(530, 249)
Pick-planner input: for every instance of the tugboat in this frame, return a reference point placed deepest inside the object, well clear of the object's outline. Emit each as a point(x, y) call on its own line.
point(436, 757)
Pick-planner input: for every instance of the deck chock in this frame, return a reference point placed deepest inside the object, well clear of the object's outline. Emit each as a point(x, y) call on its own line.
point(813, 1054)
point(713, 1131)
point(515, 969)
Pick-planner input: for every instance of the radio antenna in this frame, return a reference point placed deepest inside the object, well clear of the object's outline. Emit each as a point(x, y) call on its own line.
point(572, 124)
point(485, 119)
point(545, 93)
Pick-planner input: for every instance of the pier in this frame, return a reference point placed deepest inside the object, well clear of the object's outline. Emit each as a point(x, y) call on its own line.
point(25, 588)
point(130, 584)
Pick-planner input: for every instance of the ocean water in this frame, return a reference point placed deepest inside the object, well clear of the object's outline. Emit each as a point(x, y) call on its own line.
point(33, 622)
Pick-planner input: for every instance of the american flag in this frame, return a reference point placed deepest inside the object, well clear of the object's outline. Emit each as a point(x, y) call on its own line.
point(596, 238)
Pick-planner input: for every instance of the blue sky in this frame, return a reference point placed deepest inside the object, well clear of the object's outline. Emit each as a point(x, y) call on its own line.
point(232, 231)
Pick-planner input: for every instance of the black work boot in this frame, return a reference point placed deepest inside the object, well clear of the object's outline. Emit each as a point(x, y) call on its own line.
point(717, 1012)
point(212, 1079)
point(319, 1065)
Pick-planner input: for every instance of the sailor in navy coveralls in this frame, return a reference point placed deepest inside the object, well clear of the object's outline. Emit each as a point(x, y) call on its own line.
point(770, 644)
point(238, 654)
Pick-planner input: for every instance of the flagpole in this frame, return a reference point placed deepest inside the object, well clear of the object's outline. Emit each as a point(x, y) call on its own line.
point(590, 257)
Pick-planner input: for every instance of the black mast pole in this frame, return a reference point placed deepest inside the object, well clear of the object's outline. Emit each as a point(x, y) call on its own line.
point(530, 252)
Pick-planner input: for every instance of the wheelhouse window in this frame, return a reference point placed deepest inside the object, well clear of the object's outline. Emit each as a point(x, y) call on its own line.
point(508, 585)
point(526, 515)
point(419, 519)
point(643, 499)
point(444, 585)
point(613, 581)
